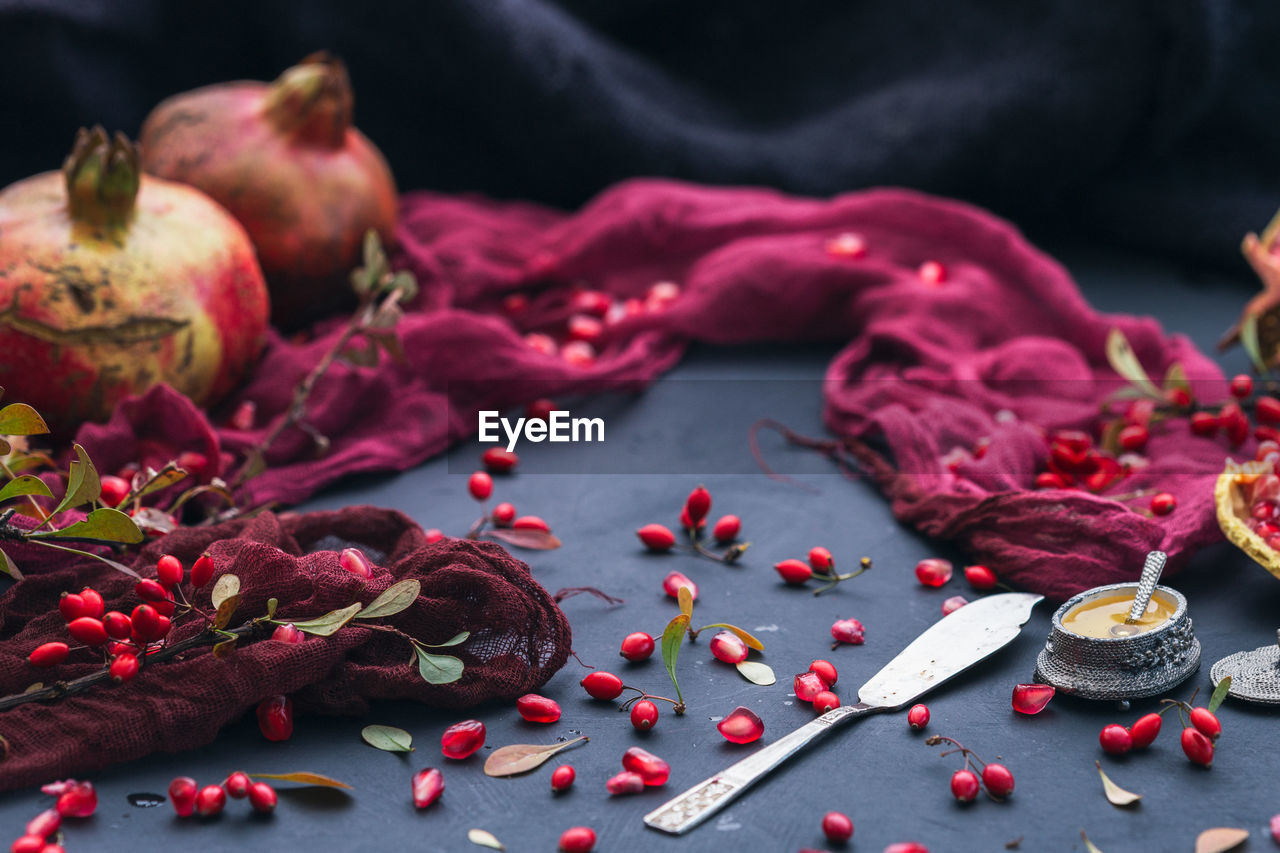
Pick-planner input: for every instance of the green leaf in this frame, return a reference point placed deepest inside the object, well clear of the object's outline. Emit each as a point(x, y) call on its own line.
point(21, 419)
point(162, 479)
point(105, 523)
point(328, 624)
point(672, 637)
point(272, 604)
point(1176, 377)
point(387, 738)
point(1249, 340)
point(757, 672)
point(746, 637)
point(7, 566)
point(24, 485)
point(83, 485)
point(1124, 361)
point(437, 669)
point(685, 598)
point(1219, 694)
point(226, 609)
point(452, 641)
point(395, 598)
point(227, 586)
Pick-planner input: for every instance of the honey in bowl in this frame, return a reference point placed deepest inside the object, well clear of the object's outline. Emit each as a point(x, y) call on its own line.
point(1097, 616)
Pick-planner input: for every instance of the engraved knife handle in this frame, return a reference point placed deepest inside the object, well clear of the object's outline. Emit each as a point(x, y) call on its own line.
point(695, 805)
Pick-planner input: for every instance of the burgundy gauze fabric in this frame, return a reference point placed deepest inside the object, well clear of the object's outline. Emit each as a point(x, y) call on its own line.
point(927, 368)
point(519, 637)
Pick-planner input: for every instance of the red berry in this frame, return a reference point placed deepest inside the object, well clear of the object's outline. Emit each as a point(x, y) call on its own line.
point(932, 272)
point(123, 668)
point(428, 785)
point(499, 460)
point(480, 485)
point(562, 777)
point(965, 786)
point(906, 847)
point(820, 560)
point(262, 797)
point(114, 490)
point(584, 328)
point(998, 779)
point(578, 839)
point(697, 505)
point(591, 302)
point(210, 801)
point(1204, 423)
point(808, 685)
point(93, 604)
point(275, 718)
point(117, 625)
point(88, 630)
point(1232, 420)
point(166, 607)
point(837, 827)
point(644, 715)
point(741, 726)
point(1267, 410)
point(602, 685)
point(847, 245)
point(1144, 730)
point(29, 844)
point(1050, 480)
point(727, 529)
point(918, 717)
point(1163, 504)
point(538, 709)
point(44, 824)
point(652, 769)
point(540, 409)
point(933, 572)
point(1198, 748)
point(578, 353)
point(1206, 722)
point(980, 578)
point(1241, 385)
point(1179, 397)
point(237, 785)
point(825, 701)
point(674, 580)
point(728, 647)
point(625, 782)
point(433, 535)
point(825, 670)
point(49, 654)
point(952, 604)
point(794, 571)
point(1115, 739)
point(1032, 698)
point(637, 646)
point(355, 562)
point(169, 570)
point(848, 631)
point(656, 537)
point(515, 303)
point(72, 606)
point(686, 522)
point(1134, 438)
point(243, 416)
point(503, 515)
point(288, 634)
point(531, 522)
point(461, 740)
point(78, 799)
point(202, 571)
point(151, 590)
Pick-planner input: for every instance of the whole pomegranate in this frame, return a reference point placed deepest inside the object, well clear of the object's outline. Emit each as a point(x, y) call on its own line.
point(112, 281)
point(285, 160)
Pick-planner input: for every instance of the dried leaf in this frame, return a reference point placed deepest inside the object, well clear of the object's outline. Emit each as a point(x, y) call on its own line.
point(83, 485)
point(672, 637)
point(438, 669)
point(21, 419)
point(150, 518)
point(534, 540)
point(1249, 340)
point(1219, 694)
point(685, 597)
point(157, 480)
point(226, 609)
point(395, 598)
point(304, 778)
point(224, 649)
point(751, 641)
point(757, 672)
point(109, 525)
point(1176, 377)
point(1116, 795)
point(7, 566)
point(227, 586)
point(24, 485)
point(523, 757)
point(328, 624)
point(387, 738)
point(4, 748)
point(1124, 361)
point(1220, 839)
point(484, 838)
point(1089, 846)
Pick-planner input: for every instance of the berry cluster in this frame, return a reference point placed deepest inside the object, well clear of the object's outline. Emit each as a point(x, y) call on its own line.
point(1075, 463)
point(640, 769)
point(188, 798)
point(74, 799)
point(575, 331)
point(1200, 732)
point(821, 565)
point(606, 687)
point(976, 774)
point(693, 521)
point(814, 686)
point(499, 460)
point(1260, 491)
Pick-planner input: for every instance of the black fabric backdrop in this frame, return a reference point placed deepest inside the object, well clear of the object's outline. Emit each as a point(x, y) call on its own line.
point(1152, 125)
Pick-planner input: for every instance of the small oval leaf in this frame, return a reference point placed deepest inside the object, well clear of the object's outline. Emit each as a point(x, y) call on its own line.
point(395, 598)
point(1089, 846)
point(302, 777)
point(438, 669)
point(452, 641)
point(523, 757)
point(224, 649)
point(1219, 694)
point(21, 419)
point(746, 637)
point(24, 485)
point(1116, 795)
point(1220, 839)
point(387, 738)
point(109, 525)
point(757, 672)
point(534, 540)
point(685, 597)
point(484, 838)
point(227, 586)
point(7, 567)
point(328, 624)
point(226, 609)
point(272, 604)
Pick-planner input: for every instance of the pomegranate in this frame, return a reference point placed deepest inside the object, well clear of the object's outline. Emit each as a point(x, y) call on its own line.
point(112, 281)
point(285, 160)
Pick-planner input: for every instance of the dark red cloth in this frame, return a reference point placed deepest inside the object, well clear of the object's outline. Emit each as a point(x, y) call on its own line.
point(519, 638)
point(926, 369)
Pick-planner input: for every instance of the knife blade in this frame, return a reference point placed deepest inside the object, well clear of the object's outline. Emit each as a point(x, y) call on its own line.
point(949, 647)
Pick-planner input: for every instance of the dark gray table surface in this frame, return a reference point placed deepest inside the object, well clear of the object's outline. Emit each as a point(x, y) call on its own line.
point(893, 786)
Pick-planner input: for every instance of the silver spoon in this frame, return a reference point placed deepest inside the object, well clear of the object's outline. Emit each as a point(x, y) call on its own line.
point(1146, 587)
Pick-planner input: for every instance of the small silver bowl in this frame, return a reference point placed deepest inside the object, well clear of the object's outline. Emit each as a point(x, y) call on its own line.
point(1146, 664)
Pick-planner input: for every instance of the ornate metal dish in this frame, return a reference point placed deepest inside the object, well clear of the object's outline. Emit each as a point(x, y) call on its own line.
point(1255, 675)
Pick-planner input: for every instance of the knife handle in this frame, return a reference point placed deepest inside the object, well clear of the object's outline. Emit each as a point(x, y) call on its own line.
point(695, 805)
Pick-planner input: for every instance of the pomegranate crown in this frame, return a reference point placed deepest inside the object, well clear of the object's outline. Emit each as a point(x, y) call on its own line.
point(312, 101)
point(102, 175)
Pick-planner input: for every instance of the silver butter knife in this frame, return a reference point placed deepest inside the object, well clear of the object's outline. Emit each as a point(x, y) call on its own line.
point(948, 648)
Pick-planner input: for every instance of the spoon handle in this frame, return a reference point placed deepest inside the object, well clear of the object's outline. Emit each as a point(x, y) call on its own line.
point(1147, 584)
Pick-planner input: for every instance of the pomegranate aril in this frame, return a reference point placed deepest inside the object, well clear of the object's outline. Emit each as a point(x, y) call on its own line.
point(93, 604)
point(169, 570)
point(433, 535)
point(123, 668)
point(932, 272)
point(288, 634)
point(1163, 504)
point(1145, 730)
point(237, 785)
point(1050, 480)
point(49, 654)
point(998, 779)
point(837, 827)
point(952, 604)
point(933, 572)
point(793, 571)
point(1197, 747)
point(727, 529)
point(531, 522)
point(656, 537)
point(591, 302)
point(1032, 698)
point(44, 824)
point(499, 460)
point(584, 328)
point(728, 647)
point(637, 646)
point(652, 769)
point(202, 571)
point(262, 798)
point(741, 726)
point(820, 560)
point(480, 485)
point(847, 245)
point(808, 685)
point(275, 718)
point(562, 777)
point(355, 562)
point(1204, 423)
point(848, 631)
point(88, 630)
point(538, 709)
point(625, 782)
point(461, 740)
point(578, 353)
point(918, 717)
point(644, 715)
point(503, 514)
point(602, 685)
point(825, 670)
point(1134, 437)
point(577, 839)
point(1206, 722)
point(428, 785)
point(825, 701)
point(1267, 410)
point(980, 578)
point(965, 785)
point(674, 580)
point(1241, 386)
point(78, 800)
point(182, 794)
point(1115, 739)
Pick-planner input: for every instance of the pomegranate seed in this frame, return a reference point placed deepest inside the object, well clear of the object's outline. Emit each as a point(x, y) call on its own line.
point(674, 580)
point(182, 793)
point(151, 590)
point(1265, 448)
point(602, 685)
point(503, 515)
point(1144, 731)
point(656, 537)
point(820, 560)
point(825, 701)
point(637, 646)
point(117, 625)
point(578, 354)
point(837, 827)
point(644, 715)
point(847, 245)
point(906, 847)
point(538, 709)
point(275, 718)
point(1198, 748)
point(808, 685)
point(539, 342)
point(584, 328)
point(918, 717)
point(1115, 739)
point(88, 630)
point(562, 777)
point(428, 785)
point(499, 460)
point(794, 571)
point(578, 839)
point(202, 571)
point(591, 302)
point(825, 670)
point(540, 409)
point(1134, 437)
point(29, 844)
point(531, 522)
point(741, 726)
point(262, 797)
point(727, 529)
point(1241, 386)
point(244, 415)
point(169, 570)
point(1275, 828)
point(1206, 722)
point(952, 604)
point(1267, 410)
point(355, 562)
point(965, 786)
point(933, 572)
point(93, 604)
point(663, 292)
point(980, 578)
point(649, 767)
point(44, 824)
point(848, 631)
point(123, 668)
point(49, 654)
point(480, 485)
point(728, 647)
point(72, 606)
point(998, 779)
point(433, 535)
point(1179, 397)
point(461, 740)
point(697, 505)
point(1233, 422)
point(288, 634)
point(1050, 480)
point(1163, 504)
point(78, 800)
point(625, 782)
point(1031, 698)
point(1204, 423)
